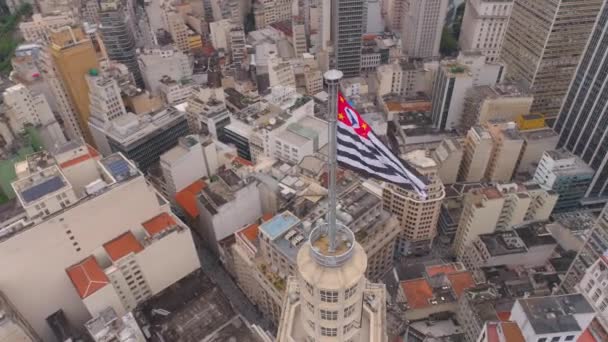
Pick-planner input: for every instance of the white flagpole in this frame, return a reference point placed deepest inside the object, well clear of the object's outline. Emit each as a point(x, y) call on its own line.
point(332, 78)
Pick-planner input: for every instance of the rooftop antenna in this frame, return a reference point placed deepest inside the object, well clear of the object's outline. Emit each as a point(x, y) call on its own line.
point(332, 78)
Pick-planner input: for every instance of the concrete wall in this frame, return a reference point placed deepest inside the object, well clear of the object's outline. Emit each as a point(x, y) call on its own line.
point(33, 262)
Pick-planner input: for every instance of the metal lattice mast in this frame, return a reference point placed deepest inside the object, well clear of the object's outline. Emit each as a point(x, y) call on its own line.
point(332, 78)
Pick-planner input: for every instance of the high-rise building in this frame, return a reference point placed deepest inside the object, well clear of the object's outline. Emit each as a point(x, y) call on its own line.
point(418, 216)
point(477, 151)
point(582, 119)
point(566, 174)
point(594, 287)
point(73, 57)
point(163, 61)
point(118, 39)
point(105, 99)
point(39, 28)
point(330, 299)
point(543, 45)
point(448, 156)
point(348, 28)
point(62, 198)
point(448, 95)
point(595, 246)
point(394, 14)
point(421, 27)
point(506, 149)
point(178, 30)
point(484, 25)
point(500, 206)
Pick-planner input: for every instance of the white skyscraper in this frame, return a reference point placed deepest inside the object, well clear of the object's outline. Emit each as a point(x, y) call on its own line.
point(421, 27)
point(484, 26)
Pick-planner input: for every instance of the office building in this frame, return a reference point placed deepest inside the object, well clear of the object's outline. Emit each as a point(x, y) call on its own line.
point(62, 200)
point(507, 145)
point(582, 119)
point(476, 306)
point(178, 30)
point(418, 216)
point(163, 61)
point(498, 207)
point(118, 38)
point(394, 14)
point(421, 27)
point(39, 28)
point(218, 202)
point(536, 142)
point(188, 162)
point(498, 102)
point(298, 39)
point(452, 80)
point(349, 18)
point(594, 287)
point(268, 12)
point(207, 116)
point(596, 244)
point(141, 138)
point(23, 108)
point(448, 157)
point(484, 25)
point(175, 92)
point(108, 326)
point(543, 48)
point(73, 56)
point(330, 299)
point(403, 77)
point(566, 174)
point(477, 152)
point(105, 100)
point(557, 318)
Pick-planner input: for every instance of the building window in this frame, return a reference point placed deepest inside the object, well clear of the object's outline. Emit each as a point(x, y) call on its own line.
point(349, 311)
point(555, 339)
point(310, 307)
point(543, 339)
point(329, 296)
point(350, 291)
point(329, 315)
point(329, 331)
point(569, 338)
point(311, 324)
point(309, 288)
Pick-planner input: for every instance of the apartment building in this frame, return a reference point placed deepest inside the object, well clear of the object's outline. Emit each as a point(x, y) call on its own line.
point(477, 152)
point(39, 28)
point(483, 27)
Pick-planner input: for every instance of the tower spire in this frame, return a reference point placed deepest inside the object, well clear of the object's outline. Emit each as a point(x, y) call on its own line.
point(332, 77)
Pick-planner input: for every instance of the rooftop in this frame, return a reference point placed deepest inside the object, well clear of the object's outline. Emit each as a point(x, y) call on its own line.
point(159, 223)
point(279, 224)
point(538, 134)
point(503, 243)
point(40, 184)
point(503, 332)
point(87, 277)
point(555, 314)
point(186, 198)
point(122, 246)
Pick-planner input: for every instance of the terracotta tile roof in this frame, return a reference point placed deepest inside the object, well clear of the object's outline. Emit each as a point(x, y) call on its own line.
point(267, 217)
point(418, 292)
point(92, 153)
point(504, 315)
point(87, 277)
point(186, 198)
point(438, 269)
point(461, 281)
point(159, 223)
point(511, 332)
point(492, 332)
point(122, 246)
point(243, 161)
point(586, 336)
point(251, 232)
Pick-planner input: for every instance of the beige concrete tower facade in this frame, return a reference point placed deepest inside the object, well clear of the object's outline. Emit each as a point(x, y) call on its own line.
point(543, 44)
point(418, 216)
point(330, 299)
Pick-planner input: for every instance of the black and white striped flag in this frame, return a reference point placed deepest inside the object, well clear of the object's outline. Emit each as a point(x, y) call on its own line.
point(359, 148)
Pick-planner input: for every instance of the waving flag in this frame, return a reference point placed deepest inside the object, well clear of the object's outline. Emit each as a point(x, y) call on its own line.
point(359, 148)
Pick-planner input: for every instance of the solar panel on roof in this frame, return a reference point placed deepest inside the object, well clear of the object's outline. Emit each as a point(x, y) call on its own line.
point(119, 168)
point(39, 190)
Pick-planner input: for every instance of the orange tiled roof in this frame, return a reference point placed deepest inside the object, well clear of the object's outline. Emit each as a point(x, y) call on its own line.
point(159, 223)
point(87, 277)
point(511, 332)
point(122, 246)
point(461, 281)
point(267, 217)
point(251, 232)
point(438, 269)
point(91, 154)
point(243, 161)
point(504, 315)
point(186, 198)
point(418, 292)
point(586, 336)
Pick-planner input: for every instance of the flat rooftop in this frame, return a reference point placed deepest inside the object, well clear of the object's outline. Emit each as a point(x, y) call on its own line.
point(503, 243)
point(279, 224)
point(555, 314)
point(38, 185)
